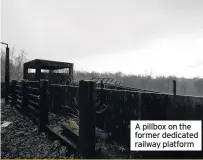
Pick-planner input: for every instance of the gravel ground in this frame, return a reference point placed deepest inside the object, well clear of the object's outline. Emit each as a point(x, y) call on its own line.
point(22, 139)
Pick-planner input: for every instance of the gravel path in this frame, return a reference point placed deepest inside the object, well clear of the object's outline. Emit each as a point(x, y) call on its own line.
point(22, 139)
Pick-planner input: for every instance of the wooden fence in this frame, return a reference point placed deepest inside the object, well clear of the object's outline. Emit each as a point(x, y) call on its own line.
point(63, 95)
point(32, 98)
point(108, 109)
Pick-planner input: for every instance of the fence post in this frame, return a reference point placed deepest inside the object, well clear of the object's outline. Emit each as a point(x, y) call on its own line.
point(13, 102)
point(44, 104)
point(25, 95)
point(140, 106)
point(7, 75)
point(2, 90)
point(102, 94)
point(87, 103)
point(174, 87)
point(102, 101)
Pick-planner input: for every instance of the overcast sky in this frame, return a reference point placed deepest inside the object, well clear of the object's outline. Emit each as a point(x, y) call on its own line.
point(162, 37)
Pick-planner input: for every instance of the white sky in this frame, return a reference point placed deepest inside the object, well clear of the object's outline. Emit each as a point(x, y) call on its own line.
point(164, 37)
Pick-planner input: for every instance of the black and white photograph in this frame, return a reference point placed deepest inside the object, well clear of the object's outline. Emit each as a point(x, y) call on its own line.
point(98, 79)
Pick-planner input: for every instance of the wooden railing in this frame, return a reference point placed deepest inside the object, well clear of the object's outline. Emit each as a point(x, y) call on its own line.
point(32, 98)
point(35, 99)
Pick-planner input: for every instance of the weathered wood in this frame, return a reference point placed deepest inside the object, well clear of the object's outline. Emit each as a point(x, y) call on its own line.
point(25, 71)
point(18, 86)
point(62, 138)
point(33, 84)
point(34, 104)
point(19, 92)
point(19, 97)
point(34, 91)
point(38, 73)
point(52, 93)
point(174, 87)
point(18, 106)
point(34, 111)
point(63, 95)
point(33, 98)
point(152, 108)
point(140, 105)
point(102, 94)
point(2, 89)
point(14, 82)
point(73, 97)
point(58, 99)
point(25, 95)
point(33, 117)
point(70, 133)
point(44, 103)
point(19, 102)
point(10, 97)
point(87, 103)
point(75, 135)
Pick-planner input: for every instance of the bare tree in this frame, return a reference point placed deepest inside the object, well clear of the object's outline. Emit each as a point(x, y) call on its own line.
point(19, 61)
point(16, 64)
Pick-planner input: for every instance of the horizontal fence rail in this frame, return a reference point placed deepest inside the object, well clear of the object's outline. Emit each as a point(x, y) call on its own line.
point(31, 97)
